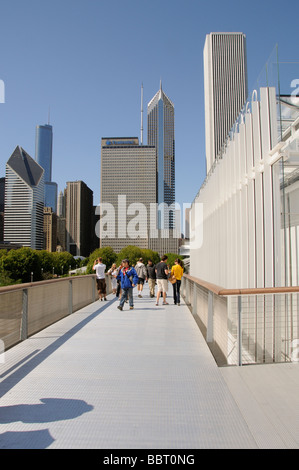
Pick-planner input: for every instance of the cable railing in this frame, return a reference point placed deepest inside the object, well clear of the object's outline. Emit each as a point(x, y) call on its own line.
point(28, 308)
point(245, 326)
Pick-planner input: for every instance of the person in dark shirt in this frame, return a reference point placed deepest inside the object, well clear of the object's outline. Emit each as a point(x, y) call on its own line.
point(162, 279)
point(151, 277)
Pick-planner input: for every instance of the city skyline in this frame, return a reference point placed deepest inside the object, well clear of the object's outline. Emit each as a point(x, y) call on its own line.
point(79, 76)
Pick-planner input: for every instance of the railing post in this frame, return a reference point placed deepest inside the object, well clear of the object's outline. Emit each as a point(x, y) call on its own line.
point(187, 294)
point(194, 302)
point(24, 324)
point(93, 280)
point(183, 286)
point(239, 330)
point(70, 297)
point(210, 325)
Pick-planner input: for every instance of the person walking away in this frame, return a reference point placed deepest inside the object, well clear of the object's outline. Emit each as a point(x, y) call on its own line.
point(113, 272)
point(118, 289)
point(128, 277)
point(177, 271)
point(100, 269)
point(151, 277)
point(142, 275)
point(162, 279)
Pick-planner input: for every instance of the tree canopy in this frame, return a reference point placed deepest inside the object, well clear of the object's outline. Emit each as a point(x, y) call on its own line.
point(17, 265)
point(133, 254)
point(107, 253)
point(21, 264)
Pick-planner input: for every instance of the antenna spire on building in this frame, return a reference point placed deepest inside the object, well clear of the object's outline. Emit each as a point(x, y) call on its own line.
point(141, 136)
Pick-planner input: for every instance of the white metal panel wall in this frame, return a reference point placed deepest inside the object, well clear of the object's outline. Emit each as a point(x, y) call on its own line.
point(237, 198)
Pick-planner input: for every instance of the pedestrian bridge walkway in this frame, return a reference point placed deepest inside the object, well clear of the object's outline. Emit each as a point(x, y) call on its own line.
point(140, 379)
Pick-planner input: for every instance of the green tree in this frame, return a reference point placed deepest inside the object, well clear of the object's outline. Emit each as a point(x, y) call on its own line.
point(130, 252)
point(19, 264)
point(46, 260)
point(3, 252)
point(5, 280)
point(172, 257)
point(107, 253)
point(150, 254)
point(62, 262)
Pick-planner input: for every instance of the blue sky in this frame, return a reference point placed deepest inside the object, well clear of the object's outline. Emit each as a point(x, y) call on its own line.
point(87, 60)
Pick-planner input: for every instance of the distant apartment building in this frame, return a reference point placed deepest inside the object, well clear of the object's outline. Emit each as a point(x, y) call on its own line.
point(50, 229)
point(61, 222)
point(225, 88)
point(61, 208)
point(79, 219)
point(24, 200)
point(43, 156)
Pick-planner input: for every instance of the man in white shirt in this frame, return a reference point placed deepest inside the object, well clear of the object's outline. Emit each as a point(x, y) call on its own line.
point(100, 269)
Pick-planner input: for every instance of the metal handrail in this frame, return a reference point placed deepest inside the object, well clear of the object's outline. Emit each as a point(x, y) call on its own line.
point(26, 285)
point(264, 324)
point(247, 291)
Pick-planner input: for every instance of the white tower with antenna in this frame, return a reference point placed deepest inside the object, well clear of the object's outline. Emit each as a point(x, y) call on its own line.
point(141, 134)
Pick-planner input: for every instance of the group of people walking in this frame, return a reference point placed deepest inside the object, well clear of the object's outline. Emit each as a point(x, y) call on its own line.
point(126, 277)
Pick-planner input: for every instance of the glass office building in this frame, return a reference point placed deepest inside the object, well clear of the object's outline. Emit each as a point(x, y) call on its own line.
point(43, 156)
point(160, 133)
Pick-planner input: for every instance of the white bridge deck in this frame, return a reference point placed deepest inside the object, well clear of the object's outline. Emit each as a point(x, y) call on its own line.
point(140, 379)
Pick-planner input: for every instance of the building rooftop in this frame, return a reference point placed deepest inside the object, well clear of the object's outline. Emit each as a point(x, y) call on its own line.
point(25, 166)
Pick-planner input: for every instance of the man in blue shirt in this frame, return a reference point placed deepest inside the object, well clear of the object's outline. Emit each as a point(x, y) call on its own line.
point(129, 279)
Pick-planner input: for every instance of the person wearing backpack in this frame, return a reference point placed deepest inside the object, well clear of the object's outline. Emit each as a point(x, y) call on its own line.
point(129, 279)
point(142, 275)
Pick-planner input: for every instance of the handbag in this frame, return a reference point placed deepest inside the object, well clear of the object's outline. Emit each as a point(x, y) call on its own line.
point(172, 279)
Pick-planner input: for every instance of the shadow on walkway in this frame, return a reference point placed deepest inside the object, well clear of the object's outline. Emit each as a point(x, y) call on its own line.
point(26, 440)
point(38, 358)
point(49, 410)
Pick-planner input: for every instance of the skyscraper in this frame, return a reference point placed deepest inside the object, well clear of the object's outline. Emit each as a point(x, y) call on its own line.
point(225, 86)
point(2, 193)
point(24, 200)
point(79, 218)
point(128, 188)
point(160, 133)
point(50, 229)
point(43, 156)
point(61, 221)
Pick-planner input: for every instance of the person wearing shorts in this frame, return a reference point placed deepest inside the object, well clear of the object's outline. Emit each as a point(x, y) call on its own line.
point(151, 277)
point(142, 275)
point(100, 269)
point(162, 279)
